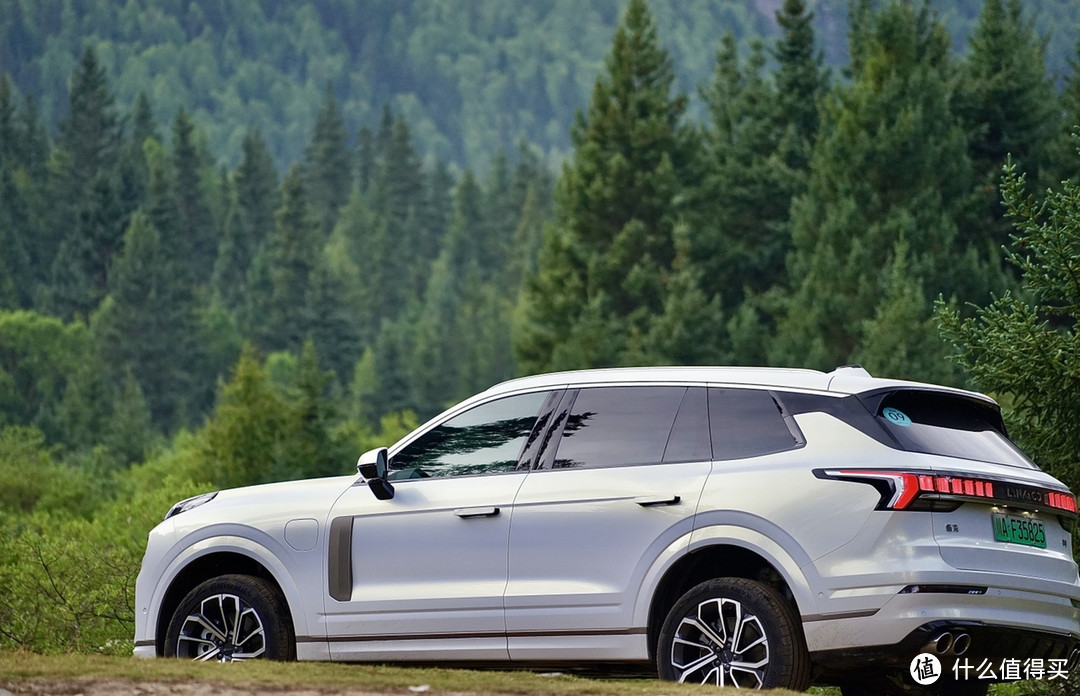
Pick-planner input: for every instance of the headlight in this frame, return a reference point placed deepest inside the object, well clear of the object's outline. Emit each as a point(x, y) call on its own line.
point(189, 504)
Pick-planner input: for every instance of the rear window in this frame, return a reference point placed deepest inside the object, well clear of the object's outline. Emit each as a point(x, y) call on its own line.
point(949, 425)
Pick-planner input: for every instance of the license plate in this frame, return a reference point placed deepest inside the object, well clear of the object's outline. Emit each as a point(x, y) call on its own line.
point(1019, 530)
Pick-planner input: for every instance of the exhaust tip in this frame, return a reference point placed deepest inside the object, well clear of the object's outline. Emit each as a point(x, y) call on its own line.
point(961, 643)
point(1074, 659)
point(943, 643)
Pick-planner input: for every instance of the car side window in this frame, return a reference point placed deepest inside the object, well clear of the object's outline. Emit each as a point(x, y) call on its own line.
point(689, 440)
point(748, 423)
point(486, 439)
point(618, 426)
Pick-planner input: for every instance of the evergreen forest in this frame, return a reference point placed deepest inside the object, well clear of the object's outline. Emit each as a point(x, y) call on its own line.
point(204, 300)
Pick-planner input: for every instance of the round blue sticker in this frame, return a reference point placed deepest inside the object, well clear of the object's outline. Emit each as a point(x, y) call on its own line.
point(896, 417)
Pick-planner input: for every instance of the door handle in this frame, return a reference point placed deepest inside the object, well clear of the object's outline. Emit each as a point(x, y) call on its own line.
point(466, 513)
point(654, 500)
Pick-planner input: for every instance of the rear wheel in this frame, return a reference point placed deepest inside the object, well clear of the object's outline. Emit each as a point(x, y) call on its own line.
point(231, 618)
point(734, 632)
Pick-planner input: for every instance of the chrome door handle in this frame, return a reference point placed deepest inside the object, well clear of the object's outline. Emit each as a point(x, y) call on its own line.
point(654, 500)
point(466, 513)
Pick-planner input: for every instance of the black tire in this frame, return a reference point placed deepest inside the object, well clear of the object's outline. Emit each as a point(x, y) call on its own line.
point(231, 618)
point(734, 632)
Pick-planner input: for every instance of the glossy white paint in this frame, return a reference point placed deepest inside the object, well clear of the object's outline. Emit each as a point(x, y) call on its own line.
point(564, 564)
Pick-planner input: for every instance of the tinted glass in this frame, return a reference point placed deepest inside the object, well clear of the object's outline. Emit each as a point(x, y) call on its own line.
point(689, 440)
point(483, 440)
point(747, 423)
point(616, 426)
point(949, 425)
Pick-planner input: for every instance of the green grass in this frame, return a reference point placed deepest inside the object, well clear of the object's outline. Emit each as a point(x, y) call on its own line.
point(22, 667)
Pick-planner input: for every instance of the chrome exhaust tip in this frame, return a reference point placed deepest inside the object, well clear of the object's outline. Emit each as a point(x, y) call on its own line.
point(942, 644)
point(961, 643)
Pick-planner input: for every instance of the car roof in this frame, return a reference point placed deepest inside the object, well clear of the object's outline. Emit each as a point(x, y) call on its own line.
point(844, 380)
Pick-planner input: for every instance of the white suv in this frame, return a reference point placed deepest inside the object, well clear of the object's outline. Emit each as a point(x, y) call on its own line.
point(748, 527)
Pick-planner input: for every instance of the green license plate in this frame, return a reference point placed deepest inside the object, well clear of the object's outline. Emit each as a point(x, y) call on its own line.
point(1019, 530)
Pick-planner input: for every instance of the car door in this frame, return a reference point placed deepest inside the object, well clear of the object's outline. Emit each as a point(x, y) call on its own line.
point(422, 575)
point(617, 487)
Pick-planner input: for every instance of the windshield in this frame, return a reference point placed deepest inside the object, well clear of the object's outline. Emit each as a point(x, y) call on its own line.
point(949, 424)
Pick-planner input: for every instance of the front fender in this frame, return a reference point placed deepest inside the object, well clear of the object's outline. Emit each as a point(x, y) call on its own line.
point(254, 544)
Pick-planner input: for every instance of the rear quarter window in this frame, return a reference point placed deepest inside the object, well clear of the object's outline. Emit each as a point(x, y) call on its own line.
point(749, 423)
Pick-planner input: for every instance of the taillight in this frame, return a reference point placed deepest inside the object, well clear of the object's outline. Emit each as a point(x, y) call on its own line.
point(908, 490)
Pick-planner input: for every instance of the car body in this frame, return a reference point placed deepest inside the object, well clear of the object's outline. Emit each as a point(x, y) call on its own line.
point(750, 526)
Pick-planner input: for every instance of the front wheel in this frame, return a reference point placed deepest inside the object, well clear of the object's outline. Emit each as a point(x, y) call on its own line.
point(231, 618)
point(734, 632)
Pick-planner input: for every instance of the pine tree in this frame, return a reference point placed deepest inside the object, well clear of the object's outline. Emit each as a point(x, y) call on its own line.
point(198, 230)
point(761, 134)
point(293, 252)
point(87, 217)
point(16, 234)
point(91, 132)
point(800, 81)
point(365, 158)
point(328, 165)
point(81, 267)
point(1025, 348)
point(311, 448)
point(240, 444)
point(147, 325)
point(605, 254)
point(890, 162)
point(1007, 105)
point(394, 234)
point(332, 323)
point(9, 128)
point(691, 327)
point(250, 221)
point(901, 340)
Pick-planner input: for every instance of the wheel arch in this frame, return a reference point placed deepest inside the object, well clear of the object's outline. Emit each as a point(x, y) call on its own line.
point(723, 558)
point(202, 567)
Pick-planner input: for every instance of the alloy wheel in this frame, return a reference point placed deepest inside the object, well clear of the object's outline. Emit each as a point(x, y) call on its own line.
point(225, 629)
point(722, 644)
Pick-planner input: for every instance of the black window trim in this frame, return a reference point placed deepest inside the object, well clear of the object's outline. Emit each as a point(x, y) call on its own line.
point(554, 396)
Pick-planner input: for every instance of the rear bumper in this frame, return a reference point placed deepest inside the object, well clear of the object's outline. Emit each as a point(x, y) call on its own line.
point(997, 623)
point(972, 642)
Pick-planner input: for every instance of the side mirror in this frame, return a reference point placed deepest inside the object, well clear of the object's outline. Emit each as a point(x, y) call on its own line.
point(372, 465)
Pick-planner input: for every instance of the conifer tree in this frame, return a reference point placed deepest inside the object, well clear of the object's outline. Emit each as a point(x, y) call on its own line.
point(332, 323)
point(293, 252)
point(240, 444)
point(1025, 347)
point(80, 269)
point(328, 165)
point(1007, 104)
point(397, 198)
point(86, 218)
point(9, 129)
point(197, 229)
point(758, 148)
point(147, 325)
point(890, 162)
point(91, 131)
point(16, 235)
point(800, 81)
point(605, 254)
point(251, 219)
point(310, 447)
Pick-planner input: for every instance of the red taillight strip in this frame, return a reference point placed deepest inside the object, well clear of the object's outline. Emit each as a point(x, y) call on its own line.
point(907, 487)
